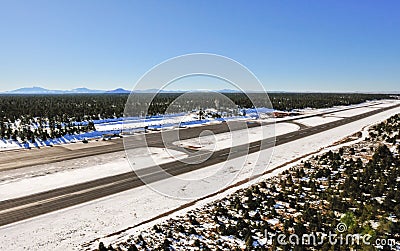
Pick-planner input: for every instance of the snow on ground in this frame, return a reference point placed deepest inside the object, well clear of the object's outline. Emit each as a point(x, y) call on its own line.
point(311, 111)
point(163, 122)
point(319, 120)
point(239, 137)
point(9, 145)
point(41, 178)
point(71, 227)
point(134, 123)
point(387, 103)
point(349, 113)
point(66, 139)
point(315, 121)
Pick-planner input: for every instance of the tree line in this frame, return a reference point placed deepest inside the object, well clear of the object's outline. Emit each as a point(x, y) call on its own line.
point(27, 117)
point(80, 107)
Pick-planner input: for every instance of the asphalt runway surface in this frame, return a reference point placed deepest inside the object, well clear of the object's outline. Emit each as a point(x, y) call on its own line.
point(18, 209)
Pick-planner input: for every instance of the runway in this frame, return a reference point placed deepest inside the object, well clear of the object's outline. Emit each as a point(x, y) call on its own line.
point(18, 209)
point(46, 155)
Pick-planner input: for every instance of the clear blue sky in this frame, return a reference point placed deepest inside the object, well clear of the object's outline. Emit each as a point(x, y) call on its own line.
point(308, 45)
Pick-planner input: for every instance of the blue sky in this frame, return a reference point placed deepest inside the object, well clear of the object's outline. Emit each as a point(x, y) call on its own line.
point(308, 45)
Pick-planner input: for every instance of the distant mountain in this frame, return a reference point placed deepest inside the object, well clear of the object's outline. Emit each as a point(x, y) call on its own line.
point(119, 91)
point(228, 91)
point(41, 90)
point(84, 90)
point(33, 90)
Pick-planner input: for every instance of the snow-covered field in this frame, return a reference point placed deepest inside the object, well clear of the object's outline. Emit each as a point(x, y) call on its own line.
point(8, 145)
point(382, 105)
point(315, 121)
point(71, 227)
point(350, 113)
point(136, 123)
point(239, 137)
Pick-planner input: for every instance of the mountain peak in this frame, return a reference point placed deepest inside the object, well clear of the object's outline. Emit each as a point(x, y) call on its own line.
point(119, 90)
point(32, 90)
